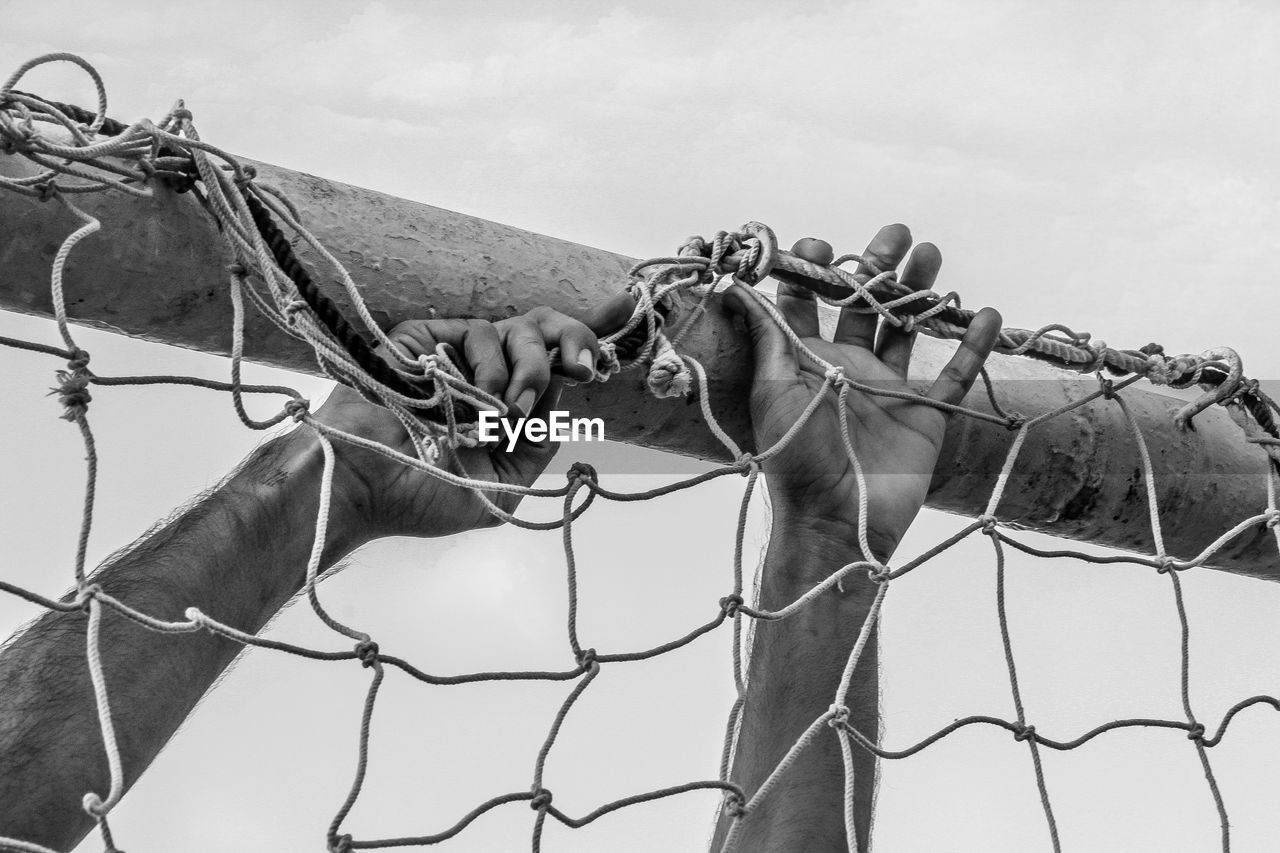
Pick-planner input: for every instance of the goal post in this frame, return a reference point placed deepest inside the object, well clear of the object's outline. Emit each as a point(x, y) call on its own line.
point(157, 271)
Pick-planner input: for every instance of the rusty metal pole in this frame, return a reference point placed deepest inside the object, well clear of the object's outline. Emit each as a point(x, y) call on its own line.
point(156, 271)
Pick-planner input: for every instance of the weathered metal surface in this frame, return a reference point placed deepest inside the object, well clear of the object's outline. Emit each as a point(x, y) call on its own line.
point(156, 271)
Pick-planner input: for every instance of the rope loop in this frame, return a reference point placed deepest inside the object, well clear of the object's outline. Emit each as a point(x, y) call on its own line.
point(541, 800)
point(367, 652)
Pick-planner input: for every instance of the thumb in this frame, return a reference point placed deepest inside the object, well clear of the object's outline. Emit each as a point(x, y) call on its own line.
point(774, 355)
point(528, 459)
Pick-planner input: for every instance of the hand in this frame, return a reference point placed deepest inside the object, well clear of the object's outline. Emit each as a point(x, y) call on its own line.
point(509, 361)
point(897, 441)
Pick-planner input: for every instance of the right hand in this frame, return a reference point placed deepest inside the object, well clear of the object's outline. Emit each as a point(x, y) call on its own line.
point(508, 360)
point(897, 441)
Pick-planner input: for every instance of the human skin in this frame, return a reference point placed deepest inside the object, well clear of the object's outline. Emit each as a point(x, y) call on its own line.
point(796, 663)
point(238, 554)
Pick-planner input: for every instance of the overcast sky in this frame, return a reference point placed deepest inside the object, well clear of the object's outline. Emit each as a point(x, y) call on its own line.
point(1107, 165)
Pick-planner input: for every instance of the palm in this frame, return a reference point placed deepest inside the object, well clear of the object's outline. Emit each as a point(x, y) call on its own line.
point(896, 441)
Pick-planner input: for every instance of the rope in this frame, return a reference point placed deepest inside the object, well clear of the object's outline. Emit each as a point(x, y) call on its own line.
point(433, 399)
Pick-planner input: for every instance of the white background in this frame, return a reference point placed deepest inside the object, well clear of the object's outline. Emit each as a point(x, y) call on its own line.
point(1106, 165)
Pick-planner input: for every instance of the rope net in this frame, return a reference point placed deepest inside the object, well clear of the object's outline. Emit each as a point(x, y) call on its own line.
point(436, 404)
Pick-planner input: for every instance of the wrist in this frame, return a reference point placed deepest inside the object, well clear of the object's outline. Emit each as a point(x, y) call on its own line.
point(276, 493)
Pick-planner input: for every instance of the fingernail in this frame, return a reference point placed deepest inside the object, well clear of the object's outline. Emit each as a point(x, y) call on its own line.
point(526, 400)
point(587, 360)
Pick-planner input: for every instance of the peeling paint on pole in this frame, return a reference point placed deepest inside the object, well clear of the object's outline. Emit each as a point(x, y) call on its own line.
point(157, 271)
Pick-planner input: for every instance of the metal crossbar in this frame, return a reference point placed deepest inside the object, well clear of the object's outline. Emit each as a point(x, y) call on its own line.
point(153, 154)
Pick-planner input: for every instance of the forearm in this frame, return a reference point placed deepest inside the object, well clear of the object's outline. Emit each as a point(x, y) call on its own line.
point(238, 555)
point(795, 668)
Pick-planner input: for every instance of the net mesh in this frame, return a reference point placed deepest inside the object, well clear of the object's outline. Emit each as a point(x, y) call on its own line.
point(433, 400)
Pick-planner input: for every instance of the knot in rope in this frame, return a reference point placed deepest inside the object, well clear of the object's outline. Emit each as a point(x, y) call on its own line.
point(1167, 564)
point(246, 175)
point(877, 574)
point(581, 471)
point(238, 270)
point(668, 374)
point(988, 524)
point(541, 800)
point(194, 615)
point(839, 716)
point(297, 409)
point(182, 113)
point(367, 652)
point(73, 393)
point(1108, 387)
point(46, 190)
point(86, 594)
point(17, 137)
point(607, 364)
point(1024, 732)
point(735, 806)
point(730, 603)
point(79, 359)
point(586, 658)
point(94, 806)
point(340, 843)
point(835, 375)
point(1196, 732)
point(1014, 421)
point(1273, 518)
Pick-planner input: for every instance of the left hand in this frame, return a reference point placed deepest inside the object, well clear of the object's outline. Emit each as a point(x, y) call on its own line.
point(509, 361)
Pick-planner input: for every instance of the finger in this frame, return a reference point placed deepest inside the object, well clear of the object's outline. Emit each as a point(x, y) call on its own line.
point(886, 250)
point(610, 315)
point(528, 459)
point(482, 348)
point(919, 273)
point(957, 377)
point(579, 348)
point(774, 356)
point(413, 338)
point(530, 369)
point(800, 308)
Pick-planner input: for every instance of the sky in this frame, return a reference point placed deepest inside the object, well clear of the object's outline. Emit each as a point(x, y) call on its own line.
point(1106, 165)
